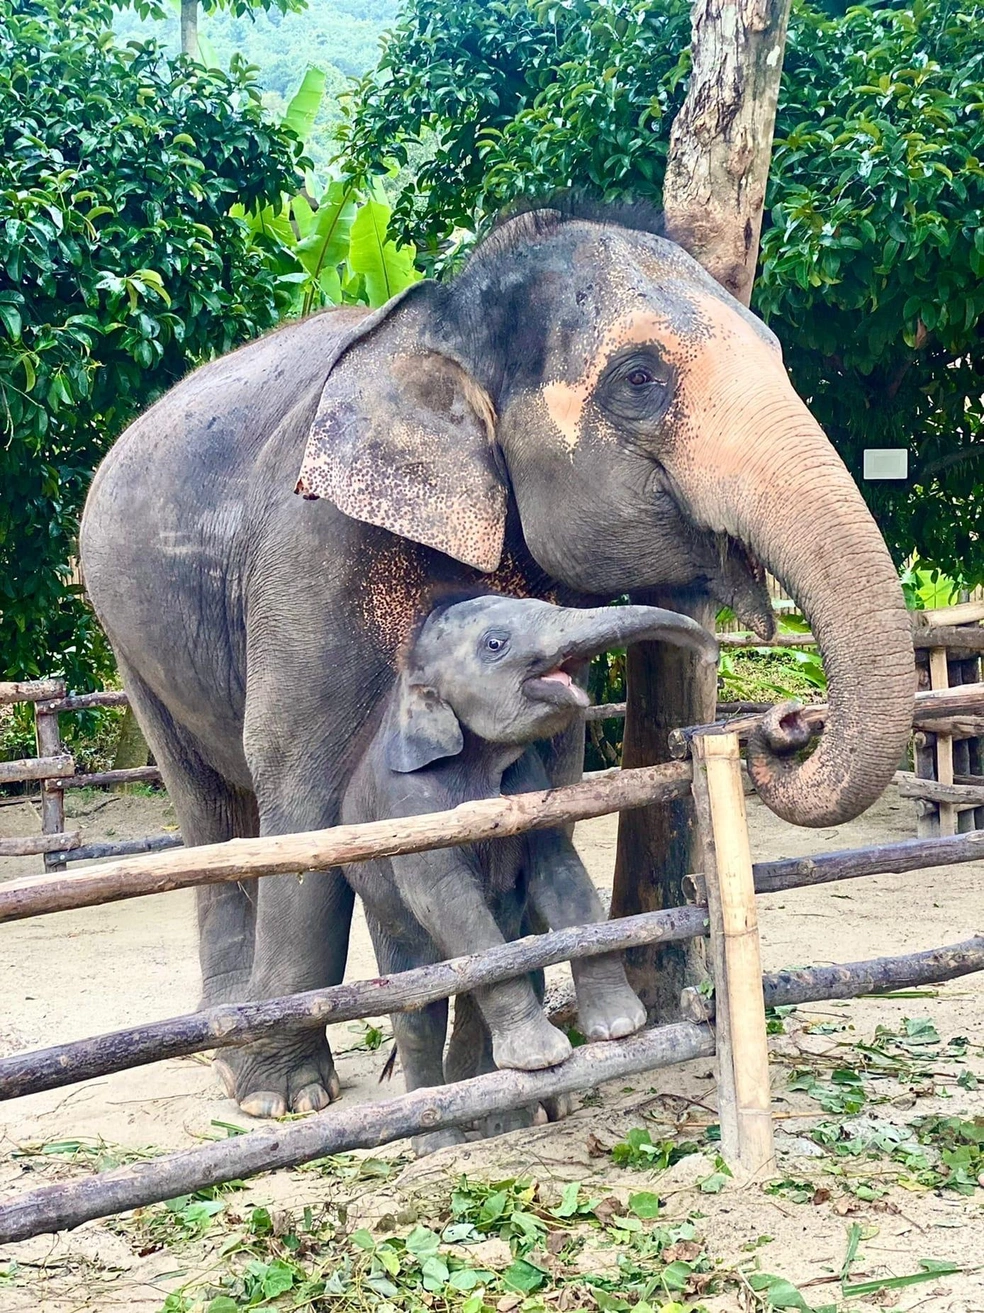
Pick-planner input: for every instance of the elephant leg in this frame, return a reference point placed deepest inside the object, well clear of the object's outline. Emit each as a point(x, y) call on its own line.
point(419, 1035)
point(209, 810)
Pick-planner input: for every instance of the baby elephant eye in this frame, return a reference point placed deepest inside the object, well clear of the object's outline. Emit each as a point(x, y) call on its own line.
point(494, 644)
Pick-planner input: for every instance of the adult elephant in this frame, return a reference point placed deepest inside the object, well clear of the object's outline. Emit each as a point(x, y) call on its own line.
point(582, 412)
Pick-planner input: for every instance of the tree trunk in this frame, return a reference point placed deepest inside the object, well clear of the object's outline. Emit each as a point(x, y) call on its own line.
point(713, 197)
point(721, 141)
point(189, 29)
point(656, 844)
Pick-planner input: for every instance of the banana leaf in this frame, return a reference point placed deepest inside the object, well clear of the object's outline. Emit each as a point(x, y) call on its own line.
point(303, 108)
point(386, 267)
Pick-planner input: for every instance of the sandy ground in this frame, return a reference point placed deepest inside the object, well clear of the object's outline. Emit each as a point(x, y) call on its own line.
point(75, 974)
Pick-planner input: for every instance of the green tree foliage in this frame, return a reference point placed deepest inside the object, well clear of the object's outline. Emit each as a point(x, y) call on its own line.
point(873, 247)
point(120, 266)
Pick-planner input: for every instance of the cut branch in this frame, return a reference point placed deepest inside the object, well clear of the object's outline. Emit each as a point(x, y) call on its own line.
point(241, 1023)
point(361, 1126)
point(290, 854)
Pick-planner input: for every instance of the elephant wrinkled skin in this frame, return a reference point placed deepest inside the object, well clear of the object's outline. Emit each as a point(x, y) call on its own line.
point(581, 413)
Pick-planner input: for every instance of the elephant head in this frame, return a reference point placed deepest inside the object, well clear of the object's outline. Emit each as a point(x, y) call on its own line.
point(502, 667)
point(642, 422)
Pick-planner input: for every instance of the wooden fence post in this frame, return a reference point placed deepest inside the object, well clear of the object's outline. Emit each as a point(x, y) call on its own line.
point(744, 1097)
point(52, 800)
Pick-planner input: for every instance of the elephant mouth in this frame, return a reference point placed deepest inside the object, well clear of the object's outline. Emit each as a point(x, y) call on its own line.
point(556, 686)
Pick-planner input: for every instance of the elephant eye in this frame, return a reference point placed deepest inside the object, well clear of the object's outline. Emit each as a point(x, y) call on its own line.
point(639, 378)
point(494, 644)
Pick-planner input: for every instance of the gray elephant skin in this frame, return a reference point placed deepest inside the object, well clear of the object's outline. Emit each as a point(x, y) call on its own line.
point(484, 680)
point(581, 413)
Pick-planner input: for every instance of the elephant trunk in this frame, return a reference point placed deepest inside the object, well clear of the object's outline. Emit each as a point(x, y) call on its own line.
point(789, 497)
point(586, 633)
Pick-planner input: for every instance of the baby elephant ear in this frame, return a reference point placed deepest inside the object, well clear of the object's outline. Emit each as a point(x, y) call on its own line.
point(404, 438)
point(425, 729)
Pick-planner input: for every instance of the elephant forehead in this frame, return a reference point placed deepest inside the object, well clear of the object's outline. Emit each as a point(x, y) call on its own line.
point(696, 328)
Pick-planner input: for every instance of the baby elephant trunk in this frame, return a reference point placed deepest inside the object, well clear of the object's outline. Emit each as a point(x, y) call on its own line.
point(600, 629)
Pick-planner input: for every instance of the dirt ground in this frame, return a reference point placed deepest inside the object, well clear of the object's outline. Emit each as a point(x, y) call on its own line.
point(75, 974)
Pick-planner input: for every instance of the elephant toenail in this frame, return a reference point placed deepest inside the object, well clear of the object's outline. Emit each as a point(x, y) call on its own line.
point(264, 1103)
point(312, 1098)
point(224, 1073)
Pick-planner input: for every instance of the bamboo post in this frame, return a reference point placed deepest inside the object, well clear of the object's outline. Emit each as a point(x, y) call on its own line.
point(52, 801)
point(939, 679)
point(744, 1096)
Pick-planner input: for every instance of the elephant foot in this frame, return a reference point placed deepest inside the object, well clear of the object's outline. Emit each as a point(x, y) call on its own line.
point(513, 1119)
point(557, 1107)
point(607, 1006)
point(271, 1083)
point(531, 1046)
point(422, 1145)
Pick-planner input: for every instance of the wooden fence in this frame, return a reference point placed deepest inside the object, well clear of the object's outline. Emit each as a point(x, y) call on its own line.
point(731, 1024)
point(948, 646)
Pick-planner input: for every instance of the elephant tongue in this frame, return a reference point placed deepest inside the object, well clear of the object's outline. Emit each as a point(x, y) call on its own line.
point(560, 676)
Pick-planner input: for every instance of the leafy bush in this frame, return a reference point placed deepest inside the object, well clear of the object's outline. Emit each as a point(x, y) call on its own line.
point(873, 245)
point(120, 267)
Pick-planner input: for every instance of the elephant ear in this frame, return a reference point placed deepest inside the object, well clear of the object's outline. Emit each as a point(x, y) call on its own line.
point(424, 730)
point(404, 438)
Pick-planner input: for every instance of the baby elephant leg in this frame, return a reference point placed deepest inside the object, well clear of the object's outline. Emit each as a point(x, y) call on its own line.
point(562, 892)
point(419, 1035)
point(470, 1054)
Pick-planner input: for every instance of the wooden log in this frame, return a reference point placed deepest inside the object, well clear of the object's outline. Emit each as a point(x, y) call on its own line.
point(342, 1127)
point(911, 786)
point(35, 768)
point(291, 854)
point(94, 852)
point(948, 638)
point(30, 690)
point(854, 979)
point(778, 641)
point(958, 727)
point(933, 703)
point(103, 778)
point(939, 679)
point(86, 701)
point(30, 845)
point(241, 1023)
point(52, 802)
point(616, 710)
point(606, 711)
point(744, 1092)
point(851, 863)
point(964, 613)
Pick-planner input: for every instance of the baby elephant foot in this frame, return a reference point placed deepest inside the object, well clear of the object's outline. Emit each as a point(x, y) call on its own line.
point(269, 1082)
point(607, 1006)
point(530, 1046)
point(501, 1123)
point(430, 1142)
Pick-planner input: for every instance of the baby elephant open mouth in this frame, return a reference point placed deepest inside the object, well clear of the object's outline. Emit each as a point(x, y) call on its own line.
point(557, 685)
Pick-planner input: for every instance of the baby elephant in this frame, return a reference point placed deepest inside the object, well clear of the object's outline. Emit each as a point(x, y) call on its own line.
point(485, 679)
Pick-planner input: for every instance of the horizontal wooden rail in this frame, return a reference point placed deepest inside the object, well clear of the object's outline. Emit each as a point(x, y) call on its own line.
point(855, 979)
point(289, 854)
point(30, 845)
point(930, 704)
point(35, 768)
point(30, 690)
point(96, 779)
point(241, 1023)
point(87, 701)
point(850, 863)
point(94, 852)
point(912, 786)
point(342, 1127)
point(964, 613)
